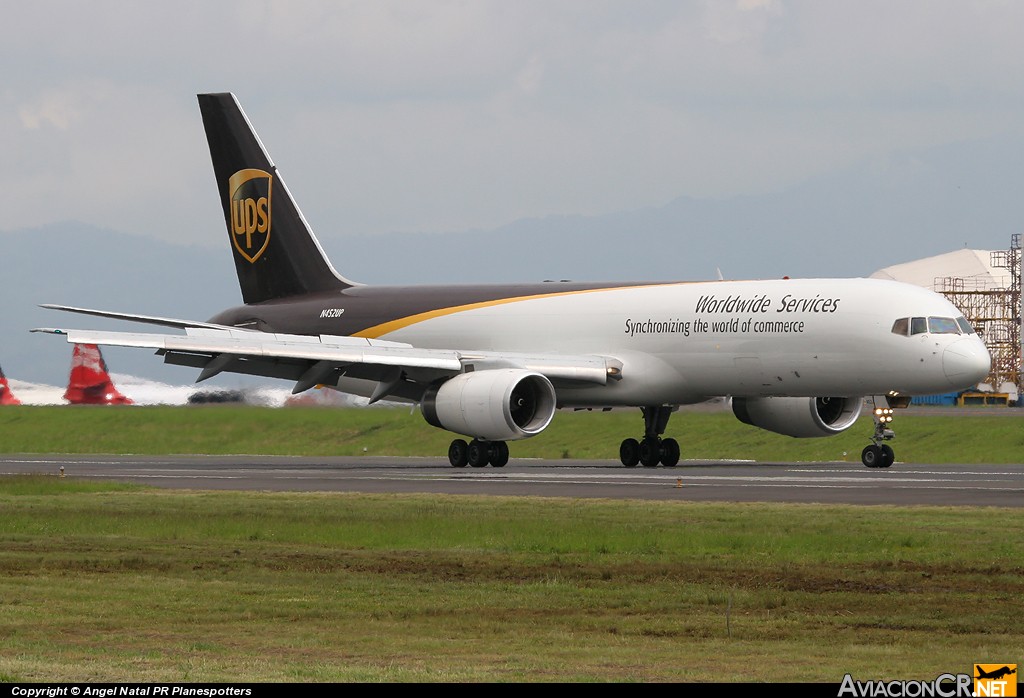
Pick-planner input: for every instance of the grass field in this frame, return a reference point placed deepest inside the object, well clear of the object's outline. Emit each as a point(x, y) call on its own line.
point(116, 583)
point(934, 437)
point(103, 582)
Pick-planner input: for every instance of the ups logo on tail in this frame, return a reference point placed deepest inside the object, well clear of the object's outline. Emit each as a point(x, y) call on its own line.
point(249, 201)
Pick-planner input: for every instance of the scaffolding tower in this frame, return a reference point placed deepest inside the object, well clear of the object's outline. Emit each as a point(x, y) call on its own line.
point(995, 312)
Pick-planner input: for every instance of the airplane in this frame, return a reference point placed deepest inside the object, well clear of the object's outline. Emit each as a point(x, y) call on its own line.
point(494, 362)
point(995, 674)
point(89, 382)
point(6, 396)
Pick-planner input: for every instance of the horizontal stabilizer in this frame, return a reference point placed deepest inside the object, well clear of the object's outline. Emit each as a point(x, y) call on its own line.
point(146, 319)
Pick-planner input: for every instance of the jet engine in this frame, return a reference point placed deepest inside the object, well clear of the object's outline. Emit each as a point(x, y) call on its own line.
point(492, 404)
point(802, 417)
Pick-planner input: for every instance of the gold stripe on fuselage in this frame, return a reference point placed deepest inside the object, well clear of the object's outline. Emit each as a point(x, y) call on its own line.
point(401, 323)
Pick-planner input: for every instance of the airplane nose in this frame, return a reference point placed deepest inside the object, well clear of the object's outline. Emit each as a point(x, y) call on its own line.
point(966, 362)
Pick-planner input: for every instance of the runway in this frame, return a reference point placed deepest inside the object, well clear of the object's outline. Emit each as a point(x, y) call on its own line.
point(727, 481)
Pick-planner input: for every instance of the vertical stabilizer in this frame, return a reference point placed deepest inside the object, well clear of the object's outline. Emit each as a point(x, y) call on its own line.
point(6, 396)
point(276, 254)
point(89, 383)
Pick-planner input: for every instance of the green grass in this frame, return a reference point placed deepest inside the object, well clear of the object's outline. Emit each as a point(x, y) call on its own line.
point(942, 436)
point(121, 583)
point(105, 582)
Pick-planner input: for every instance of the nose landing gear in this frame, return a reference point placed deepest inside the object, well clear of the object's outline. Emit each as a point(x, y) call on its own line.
point(878, 454)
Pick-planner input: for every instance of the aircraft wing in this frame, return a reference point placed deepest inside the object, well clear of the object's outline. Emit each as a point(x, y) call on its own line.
point(401, 370)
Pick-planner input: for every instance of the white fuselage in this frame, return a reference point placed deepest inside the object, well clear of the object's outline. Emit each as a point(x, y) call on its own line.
point(686, 342)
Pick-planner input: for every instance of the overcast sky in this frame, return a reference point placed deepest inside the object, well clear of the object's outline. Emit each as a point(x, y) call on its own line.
point(446, 116)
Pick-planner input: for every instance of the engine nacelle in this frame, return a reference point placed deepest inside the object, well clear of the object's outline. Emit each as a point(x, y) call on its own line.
point(802, 417)
point(492, 404)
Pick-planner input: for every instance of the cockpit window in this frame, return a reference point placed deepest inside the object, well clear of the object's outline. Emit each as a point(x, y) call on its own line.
point(935, 325)
point(943, 325)
point(965, 326)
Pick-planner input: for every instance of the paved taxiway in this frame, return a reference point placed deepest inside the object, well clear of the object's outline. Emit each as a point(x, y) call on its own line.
point(834, 482)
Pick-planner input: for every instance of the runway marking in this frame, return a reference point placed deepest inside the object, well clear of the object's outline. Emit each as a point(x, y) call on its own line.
point(909, 469)
point(741, 482)
point(832, 483)
point(576, 477)
point(805, 483)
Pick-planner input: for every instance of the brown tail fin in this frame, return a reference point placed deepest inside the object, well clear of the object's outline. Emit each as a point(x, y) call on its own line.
point(276, 254)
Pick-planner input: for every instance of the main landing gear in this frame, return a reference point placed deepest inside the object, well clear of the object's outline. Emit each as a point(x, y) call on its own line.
point(652, 449)
point(478, 453)
point(878, 454)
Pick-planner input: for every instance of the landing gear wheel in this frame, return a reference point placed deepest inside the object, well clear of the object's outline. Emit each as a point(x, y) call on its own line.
point(629, 453)
point(879, 454)
point(499, 454)
point(478, 453)
point(871, 456)
point(457, 453)
point(650, 453)
point(888, 457)
point(669, 453)
point(651, 450)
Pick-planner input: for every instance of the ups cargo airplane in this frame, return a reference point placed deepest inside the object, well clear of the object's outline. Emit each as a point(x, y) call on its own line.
point(494, 362)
